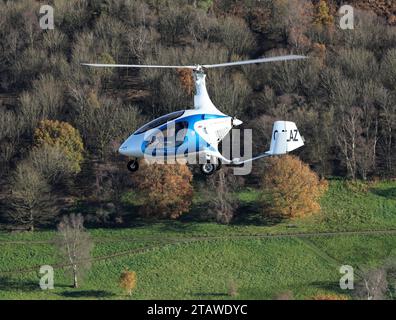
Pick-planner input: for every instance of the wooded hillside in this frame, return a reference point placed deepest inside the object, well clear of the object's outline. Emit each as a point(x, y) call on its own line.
point(343, 98)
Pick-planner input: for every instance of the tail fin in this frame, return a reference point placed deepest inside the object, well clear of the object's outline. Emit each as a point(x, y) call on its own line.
point(285, 138)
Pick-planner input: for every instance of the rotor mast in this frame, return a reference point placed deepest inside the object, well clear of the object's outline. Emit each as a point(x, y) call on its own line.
point(201, 98)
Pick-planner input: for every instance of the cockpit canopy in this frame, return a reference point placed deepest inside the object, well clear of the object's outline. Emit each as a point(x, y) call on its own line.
point(160, 121)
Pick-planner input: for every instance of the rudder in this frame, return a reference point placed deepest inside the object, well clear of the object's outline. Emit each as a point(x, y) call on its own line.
point(285, 138)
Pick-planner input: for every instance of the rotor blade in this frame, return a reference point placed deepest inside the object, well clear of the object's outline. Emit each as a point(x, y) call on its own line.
point(226, 64)
point(102, 65)
point(261, 60)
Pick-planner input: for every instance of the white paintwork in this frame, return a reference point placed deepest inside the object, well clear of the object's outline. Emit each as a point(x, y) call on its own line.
point(285, 138)
point(202, 101)
point(213, 130)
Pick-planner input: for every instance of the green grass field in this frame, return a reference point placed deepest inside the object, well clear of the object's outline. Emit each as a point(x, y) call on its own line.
point(197, 260)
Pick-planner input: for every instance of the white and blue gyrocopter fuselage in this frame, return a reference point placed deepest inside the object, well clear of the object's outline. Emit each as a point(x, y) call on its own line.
point(195, 134)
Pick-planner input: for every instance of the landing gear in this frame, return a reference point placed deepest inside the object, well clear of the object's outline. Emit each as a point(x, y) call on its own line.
point(218, 165)
point(133, 165)
point(208, 168)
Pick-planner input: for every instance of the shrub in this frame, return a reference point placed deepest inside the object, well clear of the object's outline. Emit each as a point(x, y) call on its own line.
point(232, 288)
point(286, 295)
point(128, 281)
point(64, 136)
point(330, 296)
point(290, 188)
point(166, 188)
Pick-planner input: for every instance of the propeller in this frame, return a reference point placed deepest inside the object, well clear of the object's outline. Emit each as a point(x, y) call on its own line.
point(199, 67)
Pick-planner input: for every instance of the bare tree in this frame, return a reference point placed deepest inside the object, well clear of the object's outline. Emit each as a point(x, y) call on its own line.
point(347, 133)
point(374, 285)
point(387, 120)
point(75, 245)
point(236, 36)
point(378, 283)
point(52, 163)
point(30, 200)
point(222, 205)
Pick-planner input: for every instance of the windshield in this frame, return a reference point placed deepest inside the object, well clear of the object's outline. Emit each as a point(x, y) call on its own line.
point(159, 121)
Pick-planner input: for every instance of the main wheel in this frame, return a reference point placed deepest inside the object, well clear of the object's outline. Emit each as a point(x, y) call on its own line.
point(208, 168)
point(133, 165)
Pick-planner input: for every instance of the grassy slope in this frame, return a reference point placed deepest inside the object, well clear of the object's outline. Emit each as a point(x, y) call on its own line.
point(201, 270)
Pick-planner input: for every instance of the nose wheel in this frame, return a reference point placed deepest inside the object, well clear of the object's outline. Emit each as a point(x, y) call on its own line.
point(208, 169)
point(133, 165)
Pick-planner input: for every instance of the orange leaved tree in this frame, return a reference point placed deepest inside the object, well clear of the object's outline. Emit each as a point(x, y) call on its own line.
point(290, 188)
point(165, 188)
point(128, 281)
point(63, 136)
point(330, 296)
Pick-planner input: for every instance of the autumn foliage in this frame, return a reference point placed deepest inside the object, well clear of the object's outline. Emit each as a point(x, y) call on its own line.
point(166, 189)
point(329, 296)
point(290, 188)
point(128, 281)
point(323, 16)
point(186, 80)
point(63, 136)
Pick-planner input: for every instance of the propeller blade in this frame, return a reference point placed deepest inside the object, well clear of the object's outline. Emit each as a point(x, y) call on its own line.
point(261, 60)
point(102, 65)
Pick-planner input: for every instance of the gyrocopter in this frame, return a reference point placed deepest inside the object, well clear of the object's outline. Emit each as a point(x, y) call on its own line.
point(199, 131)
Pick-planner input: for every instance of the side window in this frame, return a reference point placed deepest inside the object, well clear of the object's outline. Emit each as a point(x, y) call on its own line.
point(181, 128)
point(170, 136)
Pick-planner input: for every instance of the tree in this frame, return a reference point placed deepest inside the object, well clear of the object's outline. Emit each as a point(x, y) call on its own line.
point(186, 80)
point(374, 285)
point(52, 163)
point(388, 69)
point(236, 36)
point(75, 245)
point(166, 188)
point(128, 281)
point(377, 283)
point(63, 136)
point(387, 121)
point(347, 135)
point(30, 201)
point(44, 101)
point(322, 15)
point(174, 22)
point(222, 204)
point(290, 189)
point(91, 111)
